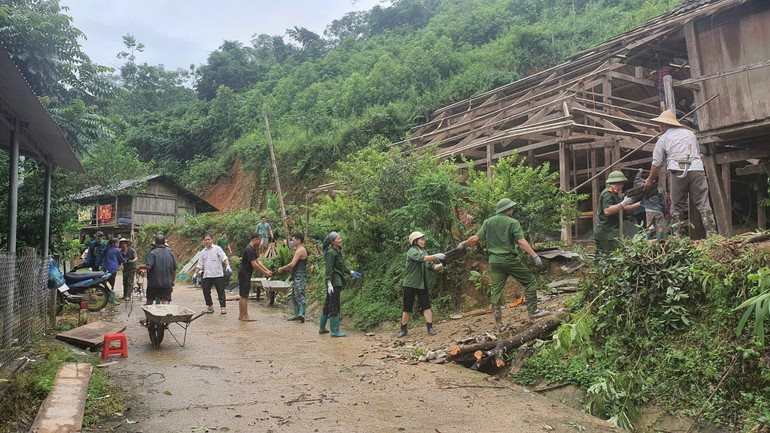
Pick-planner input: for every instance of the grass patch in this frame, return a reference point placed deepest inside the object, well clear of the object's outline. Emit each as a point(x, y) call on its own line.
point(27, 389)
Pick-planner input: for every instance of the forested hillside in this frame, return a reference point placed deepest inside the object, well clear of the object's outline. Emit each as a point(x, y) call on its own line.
point(369, 78)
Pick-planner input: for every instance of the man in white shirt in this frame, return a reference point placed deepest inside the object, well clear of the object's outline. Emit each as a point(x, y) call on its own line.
point(211, 259)
point(678, 147)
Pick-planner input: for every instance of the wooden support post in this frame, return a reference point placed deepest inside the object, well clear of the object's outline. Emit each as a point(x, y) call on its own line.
point(277, 178)
point(761, 211)
point(307, 216)
point(566, 231)
point(728, 193)
point(594, 186)
point(716, 190)
point(668, 90)
point(490, 149)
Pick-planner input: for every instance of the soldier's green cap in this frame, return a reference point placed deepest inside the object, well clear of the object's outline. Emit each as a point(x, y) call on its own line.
point(504, 204)
point(616, 176)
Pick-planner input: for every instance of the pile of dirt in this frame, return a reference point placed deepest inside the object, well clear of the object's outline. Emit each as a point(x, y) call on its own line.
point(235, 192)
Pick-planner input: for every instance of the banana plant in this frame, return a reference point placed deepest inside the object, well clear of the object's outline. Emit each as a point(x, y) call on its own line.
point(759, 305)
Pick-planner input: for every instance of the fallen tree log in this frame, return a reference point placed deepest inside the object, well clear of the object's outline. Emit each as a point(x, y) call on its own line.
point(481, 352)
point(539, 329)
point(761, 237)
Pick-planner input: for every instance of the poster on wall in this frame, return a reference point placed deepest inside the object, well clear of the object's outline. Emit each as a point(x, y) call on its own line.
point(104, 213)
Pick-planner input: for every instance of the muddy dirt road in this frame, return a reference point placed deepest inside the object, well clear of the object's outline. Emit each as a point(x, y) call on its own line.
point(277, 376)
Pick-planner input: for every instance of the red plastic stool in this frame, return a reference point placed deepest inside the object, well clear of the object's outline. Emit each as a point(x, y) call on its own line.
point(121, 350)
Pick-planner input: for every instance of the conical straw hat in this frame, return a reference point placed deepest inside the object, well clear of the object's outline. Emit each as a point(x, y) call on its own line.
point(667, 117)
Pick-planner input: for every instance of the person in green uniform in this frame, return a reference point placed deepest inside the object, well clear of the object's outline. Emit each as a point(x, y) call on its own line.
point(224, 243)
point(500, 234)
point(416, 283)
point(607, 230)
point(298, 267)
point(336, 271)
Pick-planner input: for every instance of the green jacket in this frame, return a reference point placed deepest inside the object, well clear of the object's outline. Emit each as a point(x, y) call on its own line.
point(416, 268)
point(500, 234)
point(607, 226)
point(336, 268)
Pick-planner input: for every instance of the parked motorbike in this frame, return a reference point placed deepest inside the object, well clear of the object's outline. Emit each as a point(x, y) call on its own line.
point(80, 287)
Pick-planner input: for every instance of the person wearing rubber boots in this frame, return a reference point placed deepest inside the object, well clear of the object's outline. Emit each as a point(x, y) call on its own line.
point(678, 149)
point(418, 263)
point(607, 230)
point(298, 267)
point(500, 234)
point(336, 272)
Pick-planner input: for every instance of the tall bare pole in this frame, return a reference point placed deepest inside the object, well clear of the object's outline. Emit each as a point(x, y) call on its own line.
point(277, 179)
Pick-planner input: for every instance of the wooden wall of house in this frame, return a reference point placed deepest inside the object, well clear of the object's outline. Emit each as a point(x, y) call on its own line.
point(733, 58)
point(161, 202)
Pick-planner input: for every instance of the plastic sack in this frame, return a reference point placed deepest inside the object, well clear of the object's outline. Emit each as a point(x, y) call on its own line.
point(55, 277)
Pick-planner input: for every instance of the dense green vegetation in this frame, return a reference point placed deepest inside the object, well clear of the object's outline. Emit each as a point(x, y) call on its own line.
point(656, 325)
point(369, 78)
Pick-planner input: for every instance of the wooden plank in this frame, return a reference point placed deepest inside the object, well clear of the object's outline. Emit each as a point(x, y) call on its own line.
point(490, 146)
point(717, 193)
point(742, 155)
point(668, 90)
point(730, 42)
point(566, 231)
point(761, 210)
point(752, 169)
point(632, 79)
point(756, 47)
point(728, 191)
point(594, 186)
point(90, 335)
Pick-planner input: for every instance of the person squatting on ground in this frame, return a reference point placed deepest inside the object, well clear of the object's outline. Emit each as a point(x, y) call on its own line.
point(500, 234)
point(336, 271)
point(249, 262)
point(161, 269)
point(678, 147)
point(298, 267)
point(129, 266)
point(418, 263)
point(210, 260)
point(607, 229)
point(656, 211)
point(113, 258)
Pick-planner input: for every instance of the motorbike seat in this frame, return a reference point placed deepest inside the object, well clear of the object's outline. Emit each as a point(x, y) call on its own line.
point(75, 277)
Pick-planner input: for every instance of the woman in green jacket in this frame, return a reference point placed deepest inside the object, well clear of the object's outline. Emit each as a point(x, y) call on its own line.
point(336, 271)
point(415, 282)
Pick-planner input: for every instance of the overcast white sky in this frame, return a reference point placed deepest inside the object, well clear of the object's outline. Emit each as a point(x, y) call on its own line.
point(180, 32)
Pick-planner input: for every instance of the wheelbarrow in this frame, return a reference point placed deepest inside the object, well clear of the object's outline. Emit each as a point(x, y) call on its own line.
point(158, 317)
point(272, 287)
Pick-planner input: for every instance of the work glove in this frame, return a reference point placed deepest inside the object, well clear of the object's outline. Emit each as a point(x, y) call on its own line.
point(538, 262)
point(329, 288)
point(440, 257)
point(355, 274)
point(229, 269)
point(626, 201)
point(461, 246)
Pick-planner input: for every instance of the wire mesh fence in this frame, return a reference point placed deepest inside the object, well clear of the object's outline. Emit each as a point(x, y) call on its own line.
point(27, 306)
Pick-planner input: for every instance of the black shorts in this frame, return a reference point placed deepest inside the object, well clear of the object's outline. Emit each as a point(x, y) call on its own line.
point(409, 294)
point(244, 286)
point(163, 292)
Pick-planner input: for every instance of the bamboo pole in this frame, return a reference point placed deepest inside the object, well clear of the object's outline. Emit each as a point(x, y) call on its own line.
point(277, 179)
point(608, 167)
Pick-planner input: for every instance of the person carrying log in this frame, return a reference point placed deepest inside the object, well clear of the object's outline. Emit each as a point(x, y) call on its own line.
point(418, 262)
point(500, 234)
point(607, 229)
point(298, 267)
point(678, 148)
point(336, 272)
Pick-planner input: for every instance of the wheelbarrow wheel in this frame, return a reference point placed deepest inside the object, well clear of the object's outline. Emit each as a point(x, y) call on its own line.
point(156, 333)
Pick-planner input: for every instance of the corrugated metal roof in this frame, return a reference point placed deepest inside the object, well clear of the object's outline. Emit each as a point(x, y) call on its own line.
point(51, 146)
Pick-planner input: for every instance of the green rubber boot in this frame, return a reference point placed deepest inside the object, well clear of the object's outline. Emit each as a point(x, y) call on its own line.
point(322, 324)
point(334, 323)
